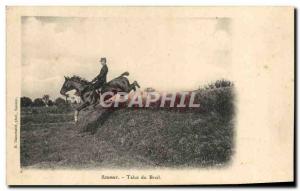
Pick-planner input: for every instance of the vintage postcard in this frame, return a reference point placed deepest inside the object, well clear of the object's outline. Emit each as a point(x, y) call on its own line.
point(150, 95)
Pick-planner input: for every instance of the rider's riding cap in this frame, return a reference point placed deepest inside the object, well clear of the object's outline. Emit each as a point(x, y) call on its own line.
point(103, 59)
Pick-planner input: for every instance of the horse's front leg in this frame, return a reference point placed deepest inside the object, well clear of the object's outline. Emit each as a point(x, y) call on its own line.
point(82, 106)
point(76, 116)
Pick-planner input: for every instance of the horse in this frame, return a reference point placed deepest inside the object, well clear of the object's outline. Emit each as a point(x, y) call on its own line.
point(89, 96)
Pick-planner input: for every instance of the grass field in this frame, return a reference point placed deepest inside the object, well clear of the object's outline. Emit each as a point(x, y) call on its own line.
point(133, 138)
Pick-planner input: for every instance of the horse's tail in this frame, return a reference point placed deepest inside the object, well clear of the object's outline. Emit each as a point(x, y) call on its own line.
point(125, 74)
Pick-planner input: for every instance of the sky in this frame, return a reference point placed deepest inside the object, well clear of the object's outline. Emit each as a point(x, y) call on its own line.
point(167, 54)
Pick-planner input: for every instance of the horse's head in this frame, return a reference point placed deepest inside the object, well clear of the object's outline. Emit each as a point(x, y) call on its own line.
point(67, 86)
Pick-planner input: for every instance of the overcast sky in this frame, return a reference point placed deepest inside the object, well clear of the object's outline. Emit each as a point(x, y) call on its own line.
point(166, 54)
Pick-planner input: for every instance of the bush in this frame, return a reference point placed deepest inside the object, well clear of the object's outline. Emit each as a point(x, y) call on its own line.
point(60, 101)
point(218, 84)
point(62, 105)
point(50, 103)
point(38, 102)
point(26, 102)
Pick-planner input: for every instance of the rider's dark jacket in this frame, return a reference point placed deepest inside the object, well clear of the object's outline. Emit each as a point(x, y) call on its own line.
point(100, 80)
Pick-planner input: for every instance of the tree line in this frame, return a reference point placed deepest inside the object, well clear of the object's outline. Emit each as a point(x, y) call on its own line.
point(45, 101)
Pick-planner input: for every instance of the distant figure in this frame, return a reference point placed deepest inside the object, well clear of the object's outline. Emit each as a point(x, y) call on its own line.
point(100, 80)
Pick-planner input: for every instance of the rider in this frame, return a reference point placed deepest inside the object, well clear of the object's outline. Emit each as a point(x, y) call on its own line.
point(100, 79)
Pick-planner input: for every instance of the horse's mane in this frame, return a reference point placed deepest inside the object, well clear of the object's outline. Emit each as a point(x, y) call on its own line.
point(80, 80)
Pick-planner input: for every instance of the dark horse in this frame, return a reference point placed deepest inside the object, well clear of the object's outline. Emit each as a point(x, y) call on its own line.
point(89, 96)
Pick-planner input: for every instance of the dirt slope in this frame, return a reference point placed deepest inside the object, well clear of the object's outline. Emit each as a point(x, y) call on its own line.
point(170, 137)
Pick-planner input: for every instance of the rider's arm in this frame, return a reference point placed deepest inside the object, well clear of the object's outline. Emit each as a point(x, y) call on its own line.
point(102, 74)
point(96, 78)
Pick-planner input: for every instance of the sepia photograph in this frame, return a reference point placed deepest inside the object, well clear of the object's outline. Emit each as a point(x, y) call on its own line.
point(147, 95)
point(62, 129)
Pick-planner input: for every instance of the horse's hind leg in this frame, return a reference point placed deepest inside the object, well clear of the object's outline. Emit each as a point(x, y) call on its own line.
point(134, 85)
